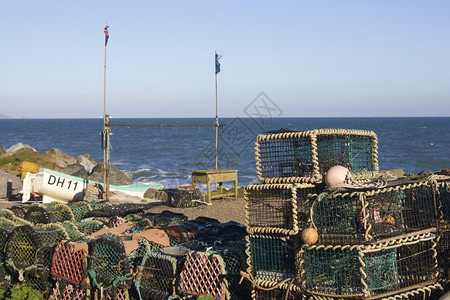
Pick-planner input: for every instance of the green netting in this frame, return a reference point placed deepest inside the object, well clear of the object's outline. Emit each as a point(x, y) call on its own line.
point(306, 156)
point(165, 218)
point(18, 210)
point(332, 272)
point(79, 209)
point(157, 274)
point(59, 212)
point(88, 227)
point(72, 230)
point(108, 265)
point(22, 251)
point(9, 215)
point(354, 152)
point(360, 216)
point(368, 270)
point(272, 257)
point(37, 214)
point(381, 268)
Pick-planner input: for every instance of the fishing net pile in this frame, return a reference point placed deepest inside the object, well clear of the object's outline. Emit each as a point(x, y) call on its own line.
point(84, 250)
point(323, 225)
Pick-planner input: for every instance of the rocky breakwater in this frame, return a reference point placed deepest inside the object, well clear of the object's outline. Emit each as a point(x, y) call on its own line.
point(81, 166)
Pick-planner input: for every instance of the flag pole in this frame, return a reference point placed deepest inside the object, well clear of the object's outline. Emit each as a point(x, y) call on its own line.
point(106, 129)
point(217, 114)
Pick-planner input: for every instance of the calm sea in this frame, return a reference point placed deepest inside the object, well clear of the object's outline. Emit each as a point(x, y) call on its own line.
point(169, 154)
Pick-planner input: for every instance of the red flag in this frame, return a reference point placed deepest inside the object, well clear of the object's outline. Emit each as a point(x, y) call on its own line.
point(106, 34)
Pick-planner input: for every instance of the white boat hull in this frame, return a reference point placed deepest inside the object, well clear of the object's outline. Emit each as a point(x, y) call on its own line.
point(60, 187)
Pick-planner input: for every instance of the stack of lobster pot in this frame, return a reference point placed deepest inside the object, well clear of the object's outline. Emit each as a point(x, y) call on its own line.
point(291, 167)
point(374, 242)
point(443, 248)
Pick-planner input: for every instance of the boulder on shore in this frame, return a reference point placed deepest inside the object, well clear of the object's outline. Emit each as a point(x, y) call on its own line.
point(19, 147)
point(16, 185)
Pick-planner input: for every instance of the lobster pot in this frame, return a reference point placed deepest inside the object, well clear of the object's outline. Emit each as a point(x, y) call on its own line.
point(156, 277)
point(427, 292)
point(363, 270)
point(7, 217)
point(50, 235)
point(79, 209)
point(5, 230)
point(443, 254)
point(135, 255)
point(215, 272)
point(444, 201)
point(108, 265)
point(67, 291)
point(70, 262)
point(50, 213)
point(267, 290)
point(358, 216)
point(165, 218)
point(272, 257)
point(110, 294)
point(306, 156)
point(71, 230)
point(88, 227)
point(18, 210)
point(277, 208)
point(25, 257)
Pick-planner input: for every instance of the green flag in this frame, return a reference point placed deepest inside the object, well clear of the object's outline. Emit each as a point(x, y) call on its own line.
point(217, 63)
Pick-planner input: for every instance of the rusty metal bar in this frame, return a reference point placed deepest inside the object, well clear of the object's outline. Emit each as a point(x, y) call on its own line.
point(165, 125)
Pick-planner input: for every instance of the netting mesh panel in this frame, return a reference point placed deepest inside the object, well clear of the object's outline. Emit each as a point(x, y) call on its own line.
point(50, 237)
point(338, 219)
point(8, 217)
point(108, 266)
point(381, 269)
point(111, 294)
point(289, 157)
point(444, 201)
point(71, 230)
point(67, 292)
point(88, 227)
point(37, 214)
point(272, 257)
point(4, 233)
point(234, 263)
point(416, 263)
point(79, 209)
point(69, 263)
point(419, 208)
point(275, 294)
point(59, 212)
point(354, 152)
point(443, 253)
point(18, 210)
point(21, 250)
point(332, 271)
point(203, 273)
point(165, 218)
point(273, 208)
point(156, 277)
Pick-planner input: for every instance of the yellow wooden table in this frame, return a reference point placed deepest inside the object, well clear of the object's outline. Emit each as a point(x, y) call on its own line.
point(215, 176)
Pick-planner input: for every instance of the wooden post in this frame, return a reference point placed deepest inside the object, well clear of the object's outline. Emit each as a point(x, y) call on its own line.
point(106, 128)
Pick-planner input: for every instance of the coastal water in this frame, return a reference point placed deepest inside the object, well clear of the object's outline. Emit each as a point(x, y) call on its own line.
point(169, 154)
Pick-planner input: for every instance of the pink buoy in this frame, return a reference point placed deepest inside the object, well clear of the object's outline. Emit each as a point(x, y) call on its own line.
point(337, 175)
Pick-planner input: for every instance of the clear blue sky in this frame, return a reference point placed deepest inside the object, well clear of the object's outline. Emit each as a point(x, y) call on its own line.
point(312, 58)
